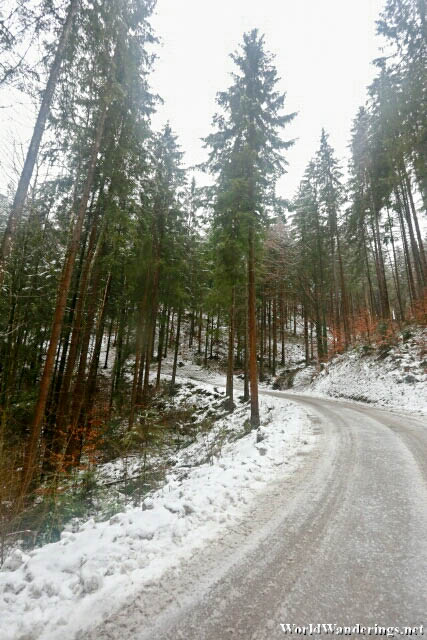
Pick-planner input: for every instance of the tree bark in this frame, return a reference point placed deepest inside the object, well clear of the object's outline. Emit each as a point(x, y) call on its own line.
point(417, 226)
point(253, 376)
point(398, 292)
point(64, 395)
point(138, 357)
point(274, 321)
point(411, 282)
point(382, 284)
point(160, 345)
point(76, 431)
point(306, 345)
point(230, 360)
point(246, 394)
point(175, 357)
point(63, 289)
point(205, 359)
point(262, 341)
point(165, 352)
point(345, 312)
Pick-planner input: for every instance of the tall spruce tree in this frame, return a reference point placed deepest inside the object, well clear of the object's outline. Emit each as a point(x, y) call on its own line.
point(246, 158)
point(331, 198)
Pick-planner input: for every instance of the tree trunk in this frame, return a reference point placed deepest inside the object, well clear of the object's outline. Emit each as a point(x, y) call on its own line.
point(419, 271)
point(417, 226)
point(411, 283)
point(319, 336)
point(139, 367)
point(398, 293)
point(33, 149)
point(107, 352)
point(160, 346)
point(368, 271)
point(165, 352)
point(151, 325)
point(230, 361)
point(274, 321)
point(382, 284)
point(75, 434)
point(311, 342)
point(191, 336)
point(211, 338)
point(199, 335)
point(306, 345)
point(246, 394)
point(269, 334)
point(64, 395)
point(282, 332)
point(205, 359)
point(345, 312)
point(262, 341)
point(94, 364)
point(63, 289)
point(253, 376)
point(175, 357)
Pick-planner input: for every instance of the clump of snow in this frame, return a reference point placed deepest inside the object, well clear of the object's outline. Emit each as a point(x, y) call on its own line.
point(65, 588)
point(393, 376)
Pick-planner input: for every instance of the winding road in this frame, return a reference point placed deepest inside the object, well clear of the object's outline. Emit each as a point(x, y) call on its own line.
point(342, 541)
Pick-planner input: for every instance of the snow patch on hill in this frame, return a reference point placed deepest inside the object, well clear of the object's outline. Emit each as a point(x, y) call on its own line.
point(393, 375)
point(68, 587)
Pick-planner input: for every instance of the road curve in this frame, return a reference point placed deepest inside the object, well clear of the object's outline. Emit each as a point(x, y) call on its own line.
point(342, 541)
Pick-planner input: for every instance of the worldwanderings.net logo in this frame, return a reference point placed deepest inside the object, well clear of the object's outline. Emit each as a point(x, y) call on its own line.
point(357, 629)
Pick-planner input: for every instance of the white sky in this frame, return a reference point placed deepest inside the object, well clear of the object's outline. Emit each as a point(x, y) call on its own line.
point(323, 48)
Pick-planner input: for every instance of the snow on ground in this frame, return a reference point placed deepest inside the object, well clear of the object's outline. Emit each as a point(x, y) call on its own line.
point(394, 377)
point(65, 588)
point(294, 351)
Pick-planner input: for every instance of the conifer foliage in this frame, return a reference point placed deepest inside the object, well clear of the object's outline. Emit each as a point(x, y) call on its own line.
point(112, 259)
point(246, 156)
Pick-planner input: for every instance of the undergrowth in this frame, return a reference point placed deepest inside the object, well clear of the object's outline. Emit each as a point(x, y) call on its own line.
point(120, 468)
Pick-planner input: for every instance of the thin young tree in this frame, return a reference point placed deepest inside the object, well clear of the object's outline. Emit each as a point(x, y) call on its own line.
point(38, 131)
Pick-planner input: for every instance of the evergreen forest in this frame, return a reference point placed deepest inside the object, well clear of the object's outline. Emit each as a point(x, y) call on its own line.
point(114, 258)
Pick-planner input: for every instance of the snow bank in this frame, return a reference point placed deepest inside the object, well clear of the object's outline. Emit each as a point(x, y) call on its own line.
point(63, 589)
point(395, 378)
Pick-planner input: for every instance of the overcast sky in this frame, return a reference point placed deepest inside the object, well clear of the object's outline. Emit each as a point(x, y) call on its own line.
point(324, 50)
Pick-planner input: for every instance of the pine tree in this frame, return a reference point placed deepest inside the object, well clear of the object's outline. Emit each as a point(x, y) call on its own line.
point(119, 74)
point(246, 156)
point(330, 193)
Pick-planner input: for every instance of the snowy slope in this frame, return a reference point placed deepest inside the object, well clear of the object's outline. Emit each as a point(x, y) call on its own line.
point(65, 588)
point(394, 377)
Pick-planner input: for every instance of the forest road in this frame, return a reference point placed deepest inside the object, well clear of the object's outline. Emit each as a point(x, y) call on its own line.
point(343, 541)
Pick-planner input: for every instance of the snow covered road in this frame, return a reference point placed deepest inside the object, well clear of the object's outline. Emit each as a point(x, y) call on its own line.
point(342, 540)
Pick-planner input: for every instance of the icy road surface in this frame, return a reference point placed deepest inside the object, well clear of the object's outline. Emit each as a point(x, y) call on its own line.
point(343, 540)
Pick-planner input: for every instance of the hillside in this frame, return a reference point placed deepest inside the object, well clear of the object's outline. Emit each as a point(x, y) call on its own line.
point(97, 567)
point(392, 375)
